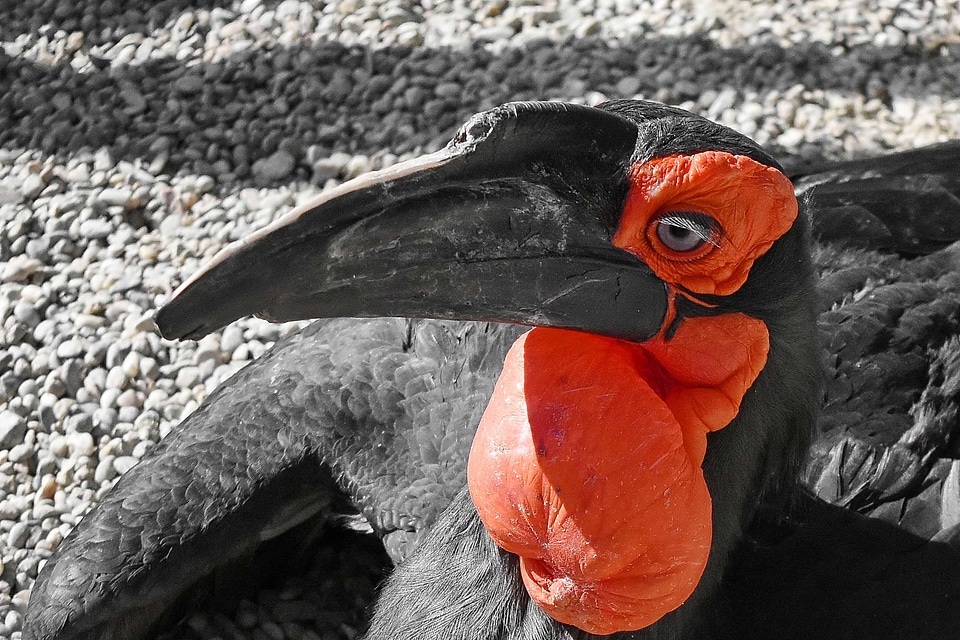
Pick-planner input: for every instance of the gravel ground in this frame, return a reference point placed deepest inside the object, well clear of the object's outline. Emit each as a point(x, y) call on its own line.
point(135, 142)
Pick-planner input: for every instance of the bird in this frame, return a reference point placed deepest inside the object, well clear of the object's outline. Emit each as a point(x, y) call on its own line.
point(585, 371)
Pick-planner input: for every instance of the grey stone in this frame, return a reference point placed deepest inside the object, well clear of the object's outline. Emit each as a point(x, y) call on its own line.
point(190, 84)
point(231, 338)
point(72, 374)
point(79, 423)
point(136, 102)
point(628, 86)
point(188, 377)
point(10, 196)
point(70, 348)
point(122, 464)
point(20, 268)
point(117, 197)
point(287, 8)
point(105, 470)
point(275, 167)
point(32, 186)
point(18, 535)
point(96, 228)
point(13, 428)
point(21, 452)
point(26, 313)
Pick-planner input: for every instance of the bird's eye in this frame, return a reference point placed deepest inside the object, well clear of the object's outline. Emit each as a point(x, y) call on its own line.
point(686, 232)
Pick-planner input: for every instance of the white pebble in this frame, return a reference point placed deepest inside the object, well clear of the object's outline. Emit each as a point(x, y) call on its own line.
point(80, 444)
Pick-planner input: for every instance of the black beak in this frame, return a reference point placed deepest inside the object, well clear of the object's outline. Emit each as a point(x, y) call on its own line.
point(510, 222)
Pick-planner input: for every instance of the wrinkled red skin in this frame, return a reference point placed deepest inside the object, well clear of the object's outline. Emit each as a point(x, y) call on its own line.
point(587, 461)
point(753, 203)
point(581, 468)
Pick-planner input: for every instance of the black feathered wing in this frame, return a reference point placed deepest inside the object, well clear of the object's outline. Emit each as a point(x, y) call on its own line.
point(375, 416)
point(889, 296)
point(907, 202)
point(890, 427)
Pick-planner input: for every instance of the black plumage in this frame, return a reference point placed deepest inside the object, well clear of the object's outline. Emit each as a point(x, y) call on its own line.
point(378, 415)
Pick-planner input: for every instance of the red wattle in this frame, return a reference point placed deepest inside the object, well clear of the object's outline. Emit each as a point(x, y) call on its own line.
point(581, 467)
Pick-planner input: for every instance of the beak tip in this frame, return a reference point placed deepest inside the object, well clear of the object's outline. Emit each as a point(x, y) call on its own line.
point(171, 327)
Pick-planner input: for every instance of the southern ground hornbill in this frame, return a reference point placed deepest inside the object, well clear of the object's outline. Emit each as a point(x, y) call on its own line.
point(638, 468)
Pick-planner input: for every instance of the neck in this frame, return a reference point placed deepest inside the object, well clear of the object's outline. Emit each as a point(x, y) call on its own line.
point(458, 585)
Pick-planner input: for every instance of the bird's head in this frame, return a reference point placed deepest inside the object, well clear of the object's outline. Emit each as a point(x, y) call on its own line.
point(672, 373)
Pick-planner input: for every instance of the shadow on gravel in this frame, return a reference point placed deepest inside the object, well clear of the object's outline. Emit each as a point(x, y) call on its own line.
point(327, 587)
point(103, 21)
point(221, 119)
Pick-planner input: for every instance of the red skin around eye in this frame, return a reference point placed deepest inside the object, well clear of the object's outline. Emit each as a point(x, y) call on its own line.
point(587, 461)
point(753, 203)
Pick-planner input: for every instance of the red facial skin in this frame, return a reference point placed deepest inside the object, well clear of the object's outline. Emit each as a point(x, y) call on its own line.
point(587, 461)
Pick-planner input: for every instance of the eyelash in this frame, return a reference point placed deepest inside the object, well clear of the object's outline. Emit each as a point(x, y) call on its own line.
point(708, 232)
point(695, 222)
